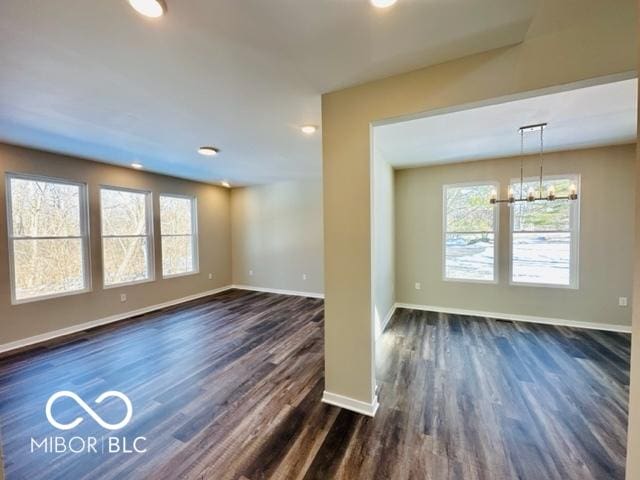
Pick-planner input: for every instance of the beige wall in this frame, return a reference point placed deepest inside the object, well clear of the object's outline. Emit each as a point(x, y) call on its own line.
point(567, 42)
point(30, 319)
point(383, 241)
point(633, 444)
point(606, 238)
point(277, 233)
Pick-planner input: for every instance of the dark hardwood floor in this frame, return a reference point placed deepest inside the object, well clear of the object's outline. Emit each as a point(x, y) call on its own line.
point(229, 387)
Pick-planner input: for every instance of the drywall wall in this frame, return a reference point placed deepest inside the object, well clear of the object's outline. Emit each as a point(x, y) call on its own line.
point(277, 236)
point(567, 42)
point(18, 322)
point(633, 443)
point(383, 241)
point(606, 238)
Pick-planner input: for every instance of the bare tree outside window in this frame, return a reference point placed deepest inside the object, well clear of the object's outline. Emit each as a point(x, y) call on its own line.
point(470, 226)
point(544, 235)
point(179, 235)
point(127, 247)
point(48, 237)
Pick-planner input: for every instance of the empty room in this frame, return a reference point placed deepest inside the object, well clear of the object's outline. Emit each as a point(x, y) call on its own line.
point(390, 239)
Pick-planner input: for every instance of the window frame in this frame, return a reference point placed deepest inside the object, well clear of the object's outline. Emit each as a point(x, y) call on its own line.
point(151, 267)
point(496, 233)
point(574, 252)
point(85, 236)
point(194, 234)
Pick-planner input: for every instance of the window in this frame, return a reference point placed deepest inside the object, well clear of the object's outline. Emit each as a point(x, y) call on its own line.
point(178, 228)
point(48, 237)
point(544, 235)
point(127, 236)
point(470, 226)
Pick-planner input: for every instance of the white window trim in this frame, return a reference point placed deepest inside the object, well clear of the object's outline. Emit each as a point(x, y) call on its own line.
point(150, 236)
point(496, 231)
point(84, 235)
point(194, 235)
point(574, 215)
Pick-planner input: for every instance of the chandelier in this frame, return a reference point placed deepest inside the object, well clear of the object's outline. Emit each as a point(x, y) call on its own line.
point(550, 194)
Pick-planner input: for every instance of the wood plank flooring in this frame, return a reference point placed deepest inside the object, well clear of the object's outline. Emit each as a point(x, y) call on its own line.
point(229, 387)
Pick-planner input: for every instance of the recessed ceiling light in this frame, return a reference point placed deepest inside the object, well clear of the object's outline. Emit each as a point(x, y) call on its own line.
point(225, 184)
point(309, 129)
point(208, 151)
point(149, 8)
point(137, 165)
point(382, 3)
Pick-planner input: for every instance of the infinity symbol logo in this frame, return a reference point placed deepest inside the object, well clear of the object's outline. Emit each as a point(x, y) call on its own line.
point(89, 410)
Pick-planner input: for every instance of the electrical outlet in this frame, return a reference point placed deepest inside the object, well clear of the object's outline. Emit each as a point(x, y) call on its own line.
point(210, 276)
point(418, 286)
point(123, 297)
point(304, 276)
point(622, 301)
point(251, 273)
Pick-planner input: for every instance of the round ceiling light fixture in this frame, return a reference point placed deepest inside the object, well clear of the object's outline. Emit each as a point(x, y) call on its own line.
point(149, 8)
point(137, 165)
point(309, 129)
point(225, 184)
point(208, 151)
point(382, 3)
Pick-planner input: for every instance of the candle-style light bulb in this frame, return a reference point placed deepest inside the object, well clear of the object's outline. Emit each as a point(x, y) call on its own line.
point(511, 195)
point(531, 196)
point(573, 192)
point(551, 193)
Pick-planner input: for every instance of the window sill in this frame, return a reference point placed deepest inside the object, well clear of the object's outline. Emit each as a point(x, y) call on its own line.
point(127, 284)
point(470, 280)
point(42, 298)
point(178, 275)
point(543, 285)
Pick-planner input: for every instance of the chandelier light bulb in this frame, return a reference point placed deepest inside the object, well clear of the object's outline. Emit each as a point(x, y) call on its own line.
point(551, 193)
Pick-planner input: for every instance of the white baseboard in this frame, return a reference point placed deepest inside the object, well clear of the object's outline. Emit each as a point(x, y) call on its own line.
point(387, 318)
point(279, 291)
point(104, 321)
point(357, 406)
point(519, 318)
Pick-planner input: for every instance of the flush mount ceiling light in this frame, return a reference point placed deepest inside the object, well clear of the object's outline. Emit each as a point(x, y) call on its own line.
point(225, 184)
point(137, 165)
point(309, 129)
point(149, 8)
point(208, 151)
point(382, 3)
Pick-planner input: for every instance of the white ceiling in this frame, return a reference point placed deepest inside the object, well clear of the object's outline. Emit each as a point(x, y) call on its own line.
point(95, 79)
point(586, 117)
